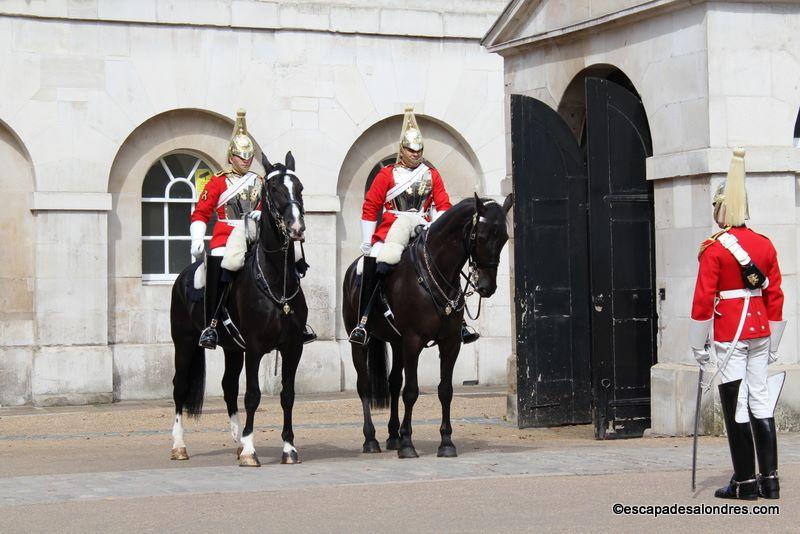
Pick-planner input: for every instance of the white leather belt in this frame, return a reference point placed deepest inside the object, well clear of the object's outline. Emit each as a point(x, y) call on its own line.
point(739, 293)
point(231, 222)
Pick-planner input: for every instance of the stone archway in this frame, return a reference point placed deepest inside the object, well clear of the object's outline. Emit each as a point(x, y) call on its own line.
point(17, 231)
point(138, 312)
point(446, 149)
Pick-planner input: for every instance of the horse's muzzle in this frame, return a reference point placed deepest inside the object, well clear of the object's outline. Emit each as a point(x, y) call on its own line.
point(486, 290)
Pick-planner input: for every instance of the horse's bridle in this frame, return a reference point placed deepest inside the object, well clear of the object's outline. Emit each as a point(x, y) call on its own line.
point(460, 301)
point(472, 246)
point(272, 212)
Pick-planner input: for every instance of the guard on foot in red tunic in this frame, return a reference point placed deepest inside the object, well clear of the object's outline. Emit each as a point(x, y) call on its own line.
point(737, 315)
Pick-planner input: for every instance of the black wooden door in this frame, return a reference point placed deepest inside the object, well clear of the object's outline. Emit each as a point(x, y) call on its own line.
point(622, 251)
point(551, 268)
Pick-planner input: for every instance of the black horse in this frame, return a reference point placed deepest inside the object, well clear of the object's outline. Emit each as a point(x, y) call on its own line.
point(265, 302)
point(427, 301)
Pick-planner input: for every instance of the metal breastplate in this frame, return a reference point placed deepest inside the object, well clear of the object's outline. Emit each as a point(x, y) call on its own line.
point(244, 201)
point(415, 195)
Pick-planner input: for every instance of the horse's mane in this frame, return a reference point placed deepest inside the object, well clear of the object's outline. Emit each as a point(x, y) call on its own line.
point(466, 206)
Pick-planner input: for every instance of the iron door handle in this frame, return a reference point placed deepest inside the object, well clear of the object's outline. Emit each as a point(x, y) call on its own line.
point(598, 301)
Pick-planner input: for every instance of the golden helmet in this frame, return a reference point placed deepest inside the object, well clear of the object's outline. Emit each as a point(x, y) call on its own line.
point(242, 144)
point(410, 136)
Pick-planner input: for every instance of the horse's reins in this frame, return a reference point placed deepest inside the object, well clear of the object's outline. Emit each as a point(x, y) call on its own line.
point(460, 301)
point(282, 229)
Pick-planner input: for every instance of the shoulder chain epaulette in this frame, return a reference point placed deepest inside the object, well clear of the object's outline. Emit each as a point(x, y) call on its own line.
point(711, 240)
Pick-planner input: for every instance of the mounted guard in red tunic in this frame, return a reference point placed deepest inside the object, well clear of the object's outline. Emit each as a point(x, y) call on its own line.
point(233, 196)
point(410, 195)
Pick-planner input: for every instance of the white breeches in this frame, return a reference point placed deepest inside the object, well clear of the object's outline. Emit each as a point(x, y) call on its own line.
point(397, 238)
point(233, 258)
point(748, 362)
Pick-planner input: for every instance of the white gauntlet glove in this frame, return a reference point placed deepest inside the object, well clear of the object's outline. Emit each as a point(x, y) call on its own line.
point(198, 232)
point(251, 225)
point(703, 358)
point(699, 340)
point(776, 333)
point(367, 229)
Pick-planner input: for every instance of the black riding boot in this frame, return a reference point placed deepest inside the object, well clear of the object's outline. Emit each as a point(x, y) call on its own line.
point(767, 453)
point(743, 484)
point(468, 335)
point(369, 285)
point(215, 288)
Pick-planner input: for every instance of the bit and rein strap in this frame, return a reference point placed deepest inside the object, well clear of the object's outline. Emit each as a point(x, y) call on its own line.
point(444, 303)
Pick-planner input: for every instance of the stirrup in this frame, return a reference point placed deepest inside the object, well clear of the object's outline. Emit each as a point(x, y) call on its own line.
point(468, 335)
point(359, 335)
point(308, 335)
point(208, 337)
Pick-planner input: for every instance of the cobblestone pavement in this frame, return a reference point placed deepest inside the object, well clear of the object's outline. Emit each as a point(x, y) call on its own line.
point(62, 460)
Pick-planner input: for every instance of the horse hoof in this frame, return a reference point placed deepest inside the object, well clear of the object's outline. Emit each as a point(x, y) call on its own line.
point(249, 460)
point(407, 452)
point(447, 451)
point(371, 447)
point(290, 457)
point(179, 454)
point(393, 444)
point(239, 452)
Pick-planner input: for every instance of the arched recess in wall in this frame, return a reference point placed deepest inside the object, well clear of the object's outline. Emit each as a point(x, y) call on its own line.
point(17, 232)
point(797, 131)
point(445, 148)
point(139, 313)
point(580, 179)
point(572, 107)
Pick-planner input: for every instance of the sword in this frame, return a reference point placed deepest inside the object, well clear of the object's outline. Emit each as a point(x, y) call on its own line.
point(696, 425)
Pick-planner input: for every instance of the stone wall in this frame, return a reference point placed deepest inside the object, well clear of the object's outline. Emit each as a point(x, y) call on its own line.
point(97, 91)
point(711, 76)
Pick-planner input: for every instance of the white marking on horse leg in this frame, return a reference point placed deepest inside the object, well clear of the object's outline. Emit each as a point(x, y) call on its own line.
point(247, 445)
point(236, 428)
point(177, 433)
point(288, 447)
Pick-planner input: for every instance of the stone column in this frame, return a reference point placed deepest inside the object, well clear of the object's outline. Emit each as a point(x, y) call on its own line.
point(320, 367)
point(72, 362)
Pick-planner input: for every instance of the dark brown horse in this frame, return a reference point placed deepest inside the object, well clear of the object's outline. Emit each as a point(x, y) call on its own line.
point(426, 298)
point(267, 304)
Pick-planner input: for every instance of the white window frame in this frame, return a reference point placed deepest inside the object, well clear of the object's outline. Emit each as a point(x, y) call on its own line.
point(166, 238)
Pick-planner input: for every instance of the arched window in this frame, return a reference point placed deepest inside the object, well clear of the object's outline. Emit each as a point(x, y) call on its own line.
point(169, 193)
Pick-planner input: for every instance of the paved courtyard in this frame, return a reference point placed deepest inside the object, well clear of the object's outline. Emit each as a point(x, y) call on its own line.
point(107, 468)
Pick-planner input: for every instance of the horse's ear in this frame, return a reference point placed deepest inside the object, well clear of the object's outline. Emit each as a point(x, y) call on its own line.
point(289, 161)
point(265, 162)
point(479, 207)
point(508, 202)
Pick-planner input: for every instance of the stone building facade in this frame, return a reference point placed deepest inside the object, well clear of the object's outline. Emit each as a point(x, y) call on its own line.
point(100, 95)
point(711, 75)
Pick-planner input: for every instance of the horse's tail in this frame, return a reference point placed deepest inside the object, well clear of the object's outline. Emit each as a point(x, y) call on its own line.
point(377, 367)
point(197, 383)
